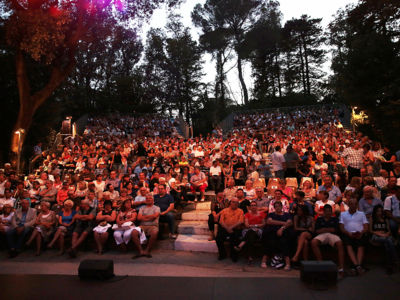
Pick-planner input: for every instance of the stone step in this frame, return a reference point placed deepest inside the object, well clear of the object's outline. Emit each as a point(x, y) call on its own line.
point(199, 206)
point(195, 215)
point(193, 227)
point(198, 243)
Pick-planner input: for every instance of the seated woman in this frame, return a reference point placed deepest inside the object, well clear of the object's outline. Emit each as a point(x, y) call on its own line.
point(304, 228)
point(125, 225)
point(249, 190)
point(309, 191)
point(44, 226)
point(380, 230)
point(104, 218)
point(5, 218)
point(66, 225)
point(276, 236)
point(254, 221)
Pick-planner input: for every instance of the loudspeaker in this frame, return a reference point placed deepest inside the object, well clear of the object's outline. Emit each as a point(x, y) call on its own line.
point(90, 269)
point(321, 273)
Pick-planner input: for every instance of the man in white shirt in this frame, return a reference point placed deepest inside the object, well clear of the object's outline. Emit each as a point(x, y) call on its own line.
point(215, 179)
point(354, 226)
point(278, 162)
point(392, 210)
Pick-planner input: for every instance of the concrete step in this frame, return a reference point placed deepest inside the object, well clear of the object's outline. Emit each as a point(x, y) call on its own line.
point(199, 206)
point(198, 243)
point(195, 215)
point(193, 227)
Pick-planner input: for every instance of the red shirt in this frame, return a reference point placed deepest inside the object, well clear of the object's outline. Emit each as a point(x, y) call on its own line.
point(255, 219)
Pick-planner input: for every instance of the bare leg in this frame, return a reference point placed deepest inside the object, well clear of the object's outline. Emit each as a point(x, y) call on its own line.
point(300, 244)
point(98, 242)
point(360, 255)
point(339, 246)
point(33, 236)
point(315, 247)
point(38, 244)
point(55, 238)
point(61, 241)
point(79, 240)
point(136, 241)
point(152, 241)
point(305, 250)
point(352, 255)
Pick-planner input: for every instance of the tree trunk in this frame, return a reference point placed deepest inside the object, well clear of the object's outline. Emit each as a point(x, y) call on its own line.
point(278, 74)
point(242, 83)
point(302, 70)
point(306, 67)
point(28, 104)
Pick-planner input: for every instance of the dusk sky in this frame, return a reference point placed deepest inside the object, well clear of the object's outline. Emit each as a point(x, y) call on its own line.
point(290, 9)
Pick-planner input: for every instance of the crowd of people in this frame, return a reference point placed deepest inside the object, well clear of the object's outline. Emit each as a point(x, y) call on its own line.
point(287, 181)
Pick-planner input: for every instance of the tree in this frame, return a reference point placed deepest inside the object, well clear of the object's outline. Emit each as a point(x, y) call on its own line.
point(262, 47)
point(50, 32)
point(366, 62)
point(234, 19)
point(214, 40)
point(303, 39)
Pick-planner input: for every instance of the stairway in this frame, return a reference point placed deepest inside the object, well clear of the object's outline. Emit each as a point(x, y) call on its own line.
point(193, 230)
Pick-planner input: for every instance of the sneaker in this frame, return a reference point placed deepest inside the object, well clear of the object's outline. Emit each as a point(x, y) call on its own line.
point(279, 265)
point(263, 265)
point(287, 268)
point(172, 236)
point(202, 200)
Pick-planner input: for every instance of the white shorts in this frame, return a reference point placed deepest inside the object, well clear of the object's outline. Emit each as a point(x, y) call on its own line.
point(328, 238)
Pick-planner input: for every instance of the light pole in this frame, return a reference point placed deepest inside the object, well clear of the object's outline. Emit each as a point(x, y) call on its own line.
point(20, 132)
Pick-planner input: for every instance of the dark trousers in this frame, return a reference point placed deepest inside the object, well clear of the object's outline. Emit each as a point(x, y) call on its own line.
point(233, 239)
point(211, 222)
point(274, 244)
point(215, 183)
point(170, 219)
point(353, 172)
point(14, 240)
point(290, 172)
point(251, 237)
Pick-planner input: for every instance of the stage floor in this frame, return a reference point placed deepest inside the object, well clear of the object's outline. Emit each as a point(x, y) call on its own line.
point(69, 287)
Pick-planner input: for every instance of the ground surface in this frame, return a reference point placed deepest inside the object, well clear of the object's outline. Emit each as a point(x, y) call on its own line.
point(175, 275)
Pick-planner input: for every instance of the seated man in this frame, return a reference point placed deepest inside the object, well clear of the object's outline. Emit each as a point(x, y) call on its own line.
point(198, 182)
point(354, 226)
point(276, 236)
point(231, 220)
point(148, 217)
point(327, 229)
point(216, 179)
point(166, 204)
point(261, 200)
point(230, 190)
point(21, 223)
point(84, 226)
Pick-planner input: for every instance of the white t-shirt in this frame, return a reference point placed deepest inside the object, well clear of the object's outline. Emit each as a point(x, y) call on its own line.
point(392, 204)
point(4, 201)
point(320, 205)
point(277, 160)
point(215, 170)
point(353, 222)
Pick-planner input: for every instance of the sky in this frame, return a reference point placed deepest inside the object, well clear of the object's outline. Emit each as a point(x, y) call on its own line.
point(324, 9)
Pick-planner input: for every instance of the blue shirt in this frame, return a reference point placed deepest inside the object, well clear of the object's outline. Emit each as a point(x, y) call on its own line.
point(163, 202)
point(333, 193)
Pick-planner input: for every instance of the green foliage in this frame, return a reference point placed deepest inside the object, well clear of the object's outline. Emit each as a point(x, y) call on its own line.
point(366, 62)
